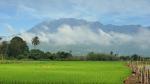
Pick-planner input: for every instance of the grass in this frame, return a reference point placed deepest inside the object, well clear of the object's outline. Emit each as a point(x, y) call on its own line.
point(63, 72)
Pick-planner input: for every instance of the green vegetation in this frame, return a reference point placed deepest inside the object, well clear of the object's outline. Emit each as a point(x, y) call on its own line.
point(35, 41)
point(59, 67)
point(18, 49)
point(63, 72)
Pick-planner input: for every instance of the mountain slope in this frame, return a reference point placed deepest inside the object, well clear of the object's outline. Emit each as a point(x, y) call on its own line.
point(52, 26)
point(83, 36)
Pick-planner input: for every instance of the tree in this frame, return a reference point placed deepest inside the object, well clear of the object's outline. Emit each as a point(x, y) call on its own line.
point(111, 53)
point(35, 41)
point(0, 38)
point(36, 54)
point(135, 57)
point(101, 57)
point(61, 55)
point(3, 49)
point(0, 47)
point(50, 56)
point(17, 47)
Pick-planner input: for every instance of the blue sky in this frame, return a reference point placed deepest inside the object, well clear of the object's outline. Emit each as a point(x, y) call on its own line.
point(20, 15)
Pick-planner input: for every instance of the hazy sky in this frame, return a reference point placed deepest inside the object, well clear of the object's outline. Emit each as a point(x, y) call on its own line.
point(20, 15)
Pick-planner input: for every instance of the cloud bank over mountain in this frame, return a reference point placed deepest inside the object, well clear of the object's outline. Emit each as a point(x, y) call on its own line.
point(84, 38)
point(67, 35)
point(23, 14)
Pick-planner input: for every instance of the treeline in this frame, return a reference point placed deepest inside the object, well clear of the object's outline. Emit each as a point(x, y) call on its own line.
point(17, 48)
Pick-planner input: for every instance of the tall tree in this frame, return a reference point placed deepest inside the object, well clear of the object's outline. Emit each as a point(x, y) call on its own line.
point(35, 41)
point(0, 47)
point(17, 47)
point(111, 53)
point(0, 38)
point(3, 49)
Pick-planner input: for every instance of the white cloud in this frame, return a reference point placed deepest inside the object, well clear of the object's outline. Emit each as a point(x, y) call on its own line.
point(81, 36)
point(142, 38)
point(115, 6)
point(8, 28)
point(120, 38)
point(27, 36)
point(79, 8)
point(67, 35)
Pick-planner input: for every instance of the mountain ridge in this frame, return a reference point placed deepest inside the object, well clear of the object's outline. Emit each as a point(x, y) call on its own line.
point(52, 26)
point(96, 37)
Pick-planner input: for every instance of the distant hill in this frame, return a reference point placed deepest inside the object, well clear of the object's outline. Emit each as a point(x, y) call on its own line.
point(81, 36)
point(52, 26)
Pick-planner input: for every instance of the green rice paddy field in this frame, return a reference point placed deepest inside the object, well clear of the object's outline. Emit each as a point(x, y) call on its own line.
point(64, 72)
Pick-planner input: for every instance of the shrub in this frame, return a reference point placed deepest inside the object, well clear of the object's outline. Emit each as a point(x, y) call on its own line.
point(36, 54)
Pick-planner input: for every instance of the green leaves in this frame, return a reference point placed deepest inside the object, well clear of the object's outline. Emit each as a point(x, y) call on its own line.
point(17, 47)
point(35, 41)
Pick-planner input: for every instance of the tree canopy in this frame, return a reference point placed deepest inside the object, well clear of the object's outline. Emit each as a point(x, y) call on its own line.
point(17, 46)
point(35, 41)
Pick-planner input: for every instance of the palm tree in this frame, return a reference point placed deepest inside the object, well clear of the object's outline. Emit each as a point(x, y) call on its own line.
point(0, 38)
point(0, 47)
point(35, 41)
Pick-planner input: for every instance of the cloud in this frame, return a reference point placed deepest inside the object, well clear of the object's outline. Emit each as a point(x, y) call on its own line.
point(67, 35)
point(120, 38)
point(89, 10)
point(142, 38)
point(9, 28)
point(84, 38)
point(98, 9)
point(25, 12)
point(80, 35)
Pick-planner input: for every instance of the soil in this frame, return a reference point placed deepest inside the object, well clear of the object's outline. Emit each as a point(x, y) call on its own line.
point(133, 79)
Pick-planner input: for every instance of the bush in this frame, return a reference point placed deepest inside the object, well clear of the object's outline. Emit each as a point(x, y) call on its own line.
point(50, 56)
point(101, 57)
point(36, 54)
point(61, 55)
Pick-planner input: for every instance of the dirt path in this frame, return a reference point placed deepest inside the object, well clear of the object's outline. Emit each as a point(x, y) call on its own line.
point(132, 80)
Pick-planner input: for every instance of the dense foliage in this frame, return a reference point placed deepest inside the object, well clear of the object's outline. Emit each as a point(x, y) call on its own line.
point(17, 49)
point(101, 57)
point(35, 41)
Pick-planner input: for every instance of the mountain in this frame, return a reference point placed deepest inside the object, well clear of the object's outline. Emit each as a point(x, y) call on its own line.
point(52, 26)
point(81, 36)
